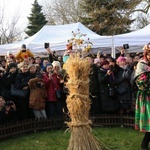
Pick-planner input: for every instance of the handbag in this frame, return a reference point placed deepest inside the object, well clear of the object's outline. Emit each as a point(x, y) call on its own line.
point(58, 93)
point(18, 92)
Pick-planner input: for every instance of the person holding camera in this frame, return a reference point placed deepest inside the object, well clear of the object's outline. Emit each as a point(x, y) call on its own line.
point(7, 110)
point(52, 80)
point(7, 78)
point(124, 93)
point(109, 103)
point(52, 54)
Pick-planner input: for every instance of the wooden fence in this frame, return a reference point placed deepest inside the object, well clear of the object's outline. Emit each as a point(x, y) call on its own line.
point(14, 129)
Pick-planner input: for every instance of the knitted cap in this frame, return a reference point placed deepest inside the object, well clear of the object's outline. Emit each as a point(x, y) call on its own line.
point(105, 62)
point(49, 64)
point(121, 58)
point(23, 46)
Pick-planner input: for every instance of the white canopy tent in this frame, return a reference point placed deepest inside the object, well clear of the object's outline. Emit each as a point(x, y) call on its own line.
point(57, 36)
point(136, 39)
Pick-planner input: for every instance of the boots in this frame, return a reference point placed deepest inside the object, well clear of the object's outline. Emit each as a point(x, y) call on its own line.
point(145, 141)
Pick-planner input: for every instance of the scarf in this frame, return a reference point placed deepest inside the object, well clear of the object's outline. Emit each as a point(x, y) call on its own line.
point(142, 67)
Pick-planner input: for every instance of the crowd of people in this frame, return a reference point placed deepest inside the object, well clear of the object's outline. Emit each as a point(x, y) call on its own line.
point(112, 88)
point(29, 87)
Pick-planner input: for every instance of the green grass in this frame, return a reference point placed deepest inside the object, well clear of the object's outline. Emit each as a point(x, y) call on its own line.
point(113, 138)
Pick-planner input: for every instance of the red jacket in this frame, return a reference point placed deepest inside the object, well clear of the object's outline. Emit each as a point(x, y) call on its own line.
point(52, 85)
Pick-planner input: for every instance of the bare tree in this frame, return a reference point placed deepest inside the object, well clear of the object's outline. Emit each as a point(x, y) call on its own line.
point(62, 11)
point(144, 7)
point(142, 13)
point(142, 20)
point(9, 27)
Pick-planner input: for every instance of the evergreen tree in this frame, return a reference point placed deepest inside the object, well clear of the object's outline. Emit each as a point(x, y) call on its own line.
point(108, 17)
point(36, 20)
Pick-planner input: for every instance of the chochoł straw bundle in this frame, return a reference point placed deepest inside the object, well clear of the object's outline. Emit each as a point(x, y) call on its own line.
point(78, 104)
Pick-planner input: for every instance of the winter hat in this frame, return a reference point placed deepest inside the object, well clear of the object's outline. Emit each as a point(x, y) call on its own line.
point(31, 65)
point(56, 63)
point(96, 60)
point(12, 65)
point(49, 64)
point(9, 53)
point(23, 46)
point(121, 58)
point(1, 60)
point(105, 62)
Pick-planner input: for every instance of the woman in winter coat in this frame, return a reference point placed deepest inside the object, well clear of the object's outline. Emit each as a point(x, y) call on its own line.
point(123, 85)
point(8, 77)
point(52, 81)
point(22, 103)
point(109, 103)
point(38, 96)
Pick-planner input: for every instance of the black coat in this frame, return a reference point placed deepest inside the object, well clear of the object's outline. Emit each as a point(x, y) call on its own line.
point(6, 81)
point(93, 84)
point(94, 90)
point(123, 82)
point(22, 80)
point(108, 103)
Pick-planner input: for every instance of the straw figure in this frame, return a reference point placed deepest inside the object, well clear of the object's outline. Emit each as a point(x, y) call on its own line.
point(78, 104)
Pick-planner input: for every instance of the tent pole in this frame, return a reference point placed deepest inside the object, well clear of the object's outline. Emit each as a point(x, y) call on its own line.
point(113, 51)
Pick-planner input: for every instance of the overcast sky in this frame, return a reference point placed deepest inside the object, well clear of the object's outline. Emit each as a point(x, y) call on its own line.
point(20, 8)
